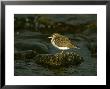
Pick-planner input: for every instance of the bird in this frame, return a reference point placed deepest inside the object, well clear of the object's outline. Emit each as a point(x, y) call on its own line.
point(61, 42)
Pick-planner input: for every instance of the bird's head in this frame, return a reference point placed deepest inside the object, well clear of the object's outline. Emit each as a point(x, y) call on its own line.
point(54, 35)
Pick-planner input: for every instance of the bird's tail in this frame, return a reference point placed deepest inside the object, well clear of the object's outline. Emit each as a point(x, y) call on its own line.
point(76, 47)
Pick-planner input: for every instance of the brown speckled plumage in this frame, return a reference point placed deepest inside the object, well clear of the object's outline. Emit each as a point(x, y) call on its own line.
point(62, 41)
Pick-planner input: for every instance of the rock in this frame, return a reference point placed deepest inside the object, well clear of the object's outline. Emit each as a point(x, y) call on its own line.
point(92, 46)
point(53, 23)
point(24, 23)
point(25, 55)
point(59, 59)
point(31, 45)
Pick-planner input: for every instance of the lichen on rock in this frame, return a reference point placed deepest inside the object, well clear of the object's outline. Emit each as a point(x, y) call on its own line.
point(59, 59)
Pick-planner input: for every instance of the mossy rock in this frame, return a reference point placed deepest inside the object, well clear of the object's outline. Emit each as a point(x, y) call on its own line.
point(59, 59)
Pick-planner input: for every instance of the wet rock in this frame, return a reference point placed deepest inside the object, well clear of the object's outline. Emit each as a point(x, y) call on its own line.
point(19, 23)
point(59, 59)
point(25, 55)
point(25, 23)
point(51, 23)
point(93, 48)
point(31, 45)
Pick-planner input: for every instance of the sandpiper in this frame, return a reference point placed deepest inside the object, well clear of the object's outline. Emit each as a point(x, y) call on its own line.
point(61, 42)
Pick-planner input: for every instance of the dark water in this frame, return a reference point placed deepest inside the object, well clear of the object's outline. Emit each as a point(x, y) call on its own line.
point(32, 32)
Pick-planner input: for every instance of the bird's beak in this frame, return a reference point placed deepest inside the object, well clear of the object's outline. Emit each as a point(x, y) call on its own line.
point(49, 37)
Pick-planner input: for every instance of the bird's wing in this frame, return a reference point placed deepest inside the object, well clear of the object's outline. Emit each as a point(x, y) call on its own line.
point(66, 41)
